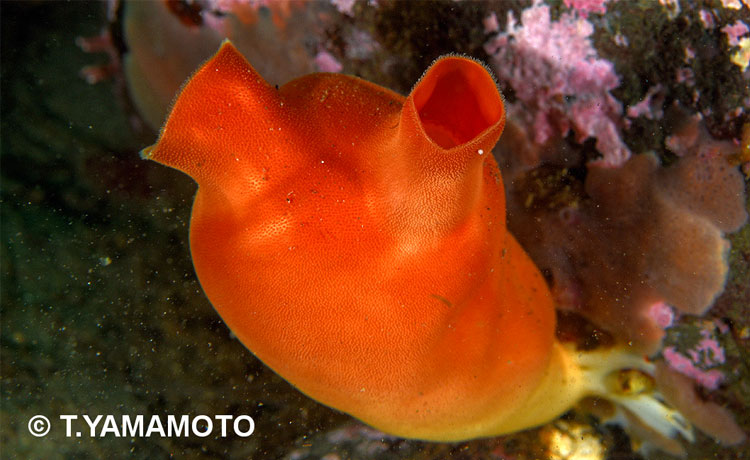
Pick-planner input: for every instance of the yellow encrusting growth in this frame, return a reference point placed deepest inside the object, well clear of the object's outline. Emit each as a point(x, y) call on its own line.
point(741, 57)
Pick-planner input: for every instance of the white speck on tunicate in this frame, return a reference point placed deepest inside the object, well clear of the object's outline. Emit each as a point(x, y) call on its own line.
point(480, 151)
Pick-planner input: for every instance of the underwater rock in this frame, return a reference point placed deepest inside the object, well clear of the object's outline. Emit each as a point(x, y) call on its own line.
point(629, 241)
point(637, 235)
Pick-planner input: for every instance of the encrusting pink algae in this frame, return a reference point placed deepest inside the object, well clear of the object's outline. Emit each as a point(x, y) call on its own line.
point(561, 82)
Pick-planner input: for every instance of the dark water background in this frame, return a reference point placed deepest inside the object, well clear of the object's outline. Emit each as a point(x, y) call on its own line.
point(101, 311)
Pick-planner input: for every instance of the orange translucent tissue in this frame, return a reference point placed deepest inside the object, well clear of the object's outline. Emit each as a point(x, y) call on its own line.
point(355, 241)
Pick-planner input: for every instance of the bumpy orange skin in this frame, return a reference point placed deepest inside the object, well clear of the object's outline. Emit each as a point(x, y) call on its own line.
point(355, 241)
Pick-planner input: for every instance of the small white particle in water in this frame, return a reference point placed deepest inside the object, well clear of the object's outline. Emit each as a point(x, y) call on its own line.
point(480, 151)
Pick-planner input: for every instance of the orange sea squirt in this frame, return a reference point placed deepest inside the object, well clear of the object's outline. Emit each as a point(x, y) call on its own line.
point(355, 241)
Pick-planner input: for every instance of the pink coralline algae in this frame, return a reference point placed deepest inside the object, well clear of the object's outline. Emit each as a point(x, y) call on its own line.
point(325, 62)
point(709, 379)
point(735, 32)
point(650, 106)
point(699, 362)
point(584, 7)
point(491, 24)
point(344, 6)
point(661, 314)
point(101, 43)
point(561, 83)
point(707, 19)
